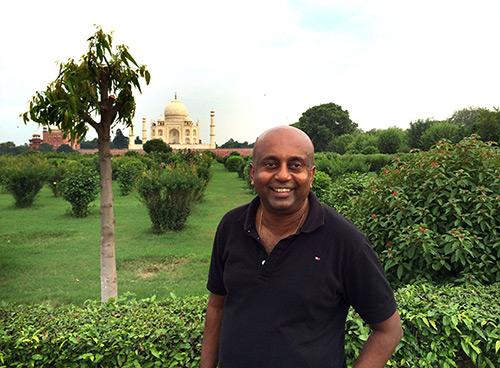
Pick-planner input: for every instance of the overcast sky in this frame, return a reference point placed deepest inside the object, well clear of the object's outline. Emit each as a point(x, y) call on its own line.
point(260, 64)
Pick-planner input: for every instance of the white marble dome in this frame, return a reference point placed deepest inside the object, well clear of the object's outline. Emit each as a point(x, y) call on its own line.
point(176, 109)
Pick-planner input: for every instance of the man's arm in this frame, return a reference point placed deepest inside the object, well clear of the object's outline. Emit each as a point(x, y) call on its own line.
point(379, 347)
point(210, 344)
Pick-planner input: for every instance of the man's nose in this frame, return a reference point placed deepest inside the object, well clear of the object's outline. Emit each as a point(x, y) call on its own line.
point(283, 174)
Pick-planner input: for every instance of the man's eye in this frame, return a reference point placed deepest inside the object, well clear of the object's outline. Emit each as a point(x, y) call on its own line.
point(295, 165)
point(269, 165)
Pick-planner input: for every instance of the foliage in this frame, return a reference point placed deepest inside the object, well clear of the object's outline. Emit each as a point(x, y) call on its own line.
point(321, 184)
point(156, 145)
point(128, 174)
point(323, 122)
point(57, 172)
point(119, 141)
point(24, 178)
point(467, 117)
point(434, 215)
point(169, 194)
point(441, 130)
point(92, 144)
point(336, 165)
point(65, 148)
point(391, 140)
point(80, 187)
point(10, 148)
point(100, 85)
point(231, 143)
point(362, 143)
point(45, 147)
point(417, 128)
point(137, 140)
point(488, 126)
point(444, 326)
point(233, 163)
point(343, 190)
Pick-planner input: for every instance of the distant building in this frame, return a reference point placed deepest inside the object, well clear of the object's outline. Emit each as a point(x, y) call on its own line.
point(52, 136)
point(176, 128)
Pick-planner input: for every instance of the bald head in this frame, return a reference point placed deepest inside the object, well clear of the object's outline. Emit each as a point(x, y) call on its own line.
point(285, 136)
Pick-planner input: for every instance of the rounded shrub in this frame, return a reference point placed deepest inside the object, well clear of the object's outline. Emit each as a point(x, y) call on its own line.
point(156, 145)
point(343, 189)
point(434, 215)
point(80, 187)
point(24, 178)
point(58, 167)
point(234, 162)
point(128, 172)
point(168, 194)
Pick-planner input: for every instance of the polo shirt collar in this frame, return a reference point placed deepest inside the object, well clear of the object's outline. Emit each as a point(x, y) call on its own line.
point(314, 220)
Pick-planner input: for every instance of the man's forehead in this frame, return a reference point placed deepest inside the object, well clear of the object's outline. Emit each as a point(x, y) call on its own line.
point(281, 142)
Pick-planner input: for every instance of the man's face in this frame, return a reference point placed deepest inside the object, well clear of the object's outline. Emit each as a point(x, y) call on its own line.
point(282, 171)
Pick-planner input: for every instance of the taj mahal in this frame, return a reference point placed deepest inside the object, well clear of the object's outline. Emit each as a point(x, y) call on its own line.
point(176, 128)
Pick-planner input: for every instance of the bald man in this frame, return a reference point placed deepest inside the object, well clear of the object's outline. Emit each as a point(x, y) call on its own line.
point(285, 269)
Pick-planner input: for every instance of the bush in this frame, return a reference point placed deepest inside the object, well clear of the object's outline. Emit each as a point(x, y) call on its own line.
point(80, 187)
point(57, 171)
point(24, 178)
point(128, 172)
point(321, 185)
point(234, 162)
point(344, 189)
point(169, 194)
point(441, 130)
point(391, 140)
point(156, 145)
point(434, 215)
point(443, 326)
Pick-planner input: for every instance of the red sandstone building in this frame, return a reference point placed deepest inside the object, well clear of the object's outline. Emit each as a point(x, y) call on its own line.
point(54, 137)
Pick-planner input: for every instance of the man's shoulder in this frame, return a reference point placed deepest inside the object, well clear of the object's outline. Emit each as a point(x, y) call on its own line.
point(341, 226)
point(236, 214)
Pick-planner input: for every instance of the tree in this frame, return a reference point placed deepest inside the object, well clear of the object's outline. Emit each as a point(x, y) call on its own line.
point(323, 122)
point(95, 91)
point(391, 140)
point(45, 147)
point(120, 141)
point(231, 143)
point(137, 140)
point(65, 148)
point(156, 145)
point(487, 125)
point(441, 130)
point(467, 117)
point(417, 128)
point(93, 144)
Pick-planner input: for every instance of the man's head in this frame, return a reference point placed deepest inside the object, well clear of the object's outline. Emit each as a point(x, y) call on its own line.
point(282, 169)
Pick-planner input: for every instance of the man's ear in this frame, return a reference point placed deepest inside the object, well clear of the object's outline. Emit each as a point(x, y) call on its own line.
point(312, 172)
point(251, 172)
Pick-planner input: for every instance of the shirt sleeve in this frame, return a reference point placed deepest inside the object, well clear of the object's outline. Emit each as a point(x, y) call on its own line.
point(215, 283)
point(366, 286)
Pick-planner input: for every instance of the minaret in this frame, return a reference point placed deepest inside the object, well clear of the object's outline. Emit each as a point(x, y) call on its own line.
point(131, 137)
point(144, 131)
point(212, 129)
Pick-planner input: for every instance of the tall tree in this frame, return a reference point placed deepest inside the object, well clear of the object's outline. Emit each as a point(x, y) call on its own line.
point(120, 141)
point(324, 122)
point(96, 92)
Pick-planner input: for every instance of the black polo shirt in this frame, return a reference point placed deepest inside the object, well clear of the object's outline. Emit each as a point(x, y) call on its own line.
point(288, 308)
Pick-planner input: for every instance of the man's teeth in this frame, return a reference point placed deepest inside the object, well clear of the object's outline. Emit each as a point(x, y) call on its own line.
point(281, 190)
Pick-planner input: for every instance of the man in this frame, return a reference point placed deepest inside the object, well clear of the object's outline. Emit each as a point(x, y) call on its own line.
point(285, 269)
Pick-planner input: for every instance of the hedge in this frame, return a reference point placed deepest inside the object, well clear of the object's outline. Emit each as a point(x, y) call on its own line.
point(444, 326)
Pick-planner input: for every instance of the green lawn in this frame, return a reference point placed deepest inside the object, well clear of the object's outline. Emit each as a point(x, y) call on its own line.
point(48, 256)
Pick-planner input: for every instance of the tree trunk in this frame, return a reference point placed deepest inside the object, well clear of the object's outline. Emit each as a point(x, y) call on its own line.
point(109, 287)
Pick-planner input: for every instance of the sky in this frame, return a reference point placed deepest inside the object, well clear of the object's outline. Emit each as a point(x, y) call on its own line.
point(260, 64)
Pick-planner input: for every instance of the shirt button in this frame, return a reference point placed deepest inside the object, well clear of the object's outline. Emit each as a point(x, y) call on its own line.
point(263, 261)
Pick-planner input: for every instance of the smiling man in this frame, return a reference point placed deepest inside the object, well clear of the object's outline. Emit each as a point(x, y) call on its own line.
point(285, 269)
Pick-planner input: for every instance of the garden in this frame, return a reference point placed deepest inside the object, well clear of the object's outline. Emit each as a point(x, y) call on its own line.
point(432, 218)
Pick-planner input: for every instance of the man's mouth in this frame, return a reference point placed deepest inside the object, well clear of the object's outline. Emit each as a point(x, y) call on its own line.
point(281, 190)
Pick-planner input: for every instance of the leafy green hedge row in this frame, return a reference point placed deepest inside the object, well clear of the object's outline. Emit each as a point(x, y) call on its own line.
point(444, 326)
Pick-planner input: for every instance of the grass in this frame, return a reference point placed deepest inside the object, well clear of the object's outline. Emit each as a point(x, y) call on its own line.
point(46, 255)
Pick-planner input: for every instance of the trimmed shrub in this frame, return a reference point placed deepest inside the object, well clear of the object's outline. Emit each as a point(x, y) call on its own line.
point(57, 171)
point(434, 215)
point(169, 194)
point(80, 187)
point(233, 163)
point(441, 130)
point(156, 145)
point(129, 171)
point(24, 178)
point(444, 326)
point(391, 140)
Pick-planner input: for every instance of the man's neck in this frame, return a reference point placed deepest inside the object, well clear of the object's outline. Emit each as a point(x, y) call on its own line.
point(280, 224)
